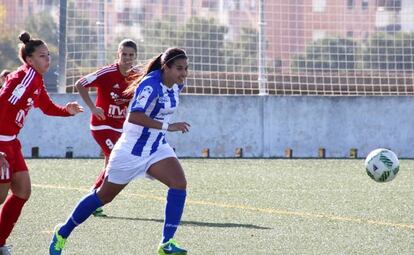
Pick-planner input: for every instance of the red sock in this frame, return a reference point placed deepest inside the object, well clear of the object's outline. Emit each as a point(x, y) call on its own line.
point(99, 180)
point(9, 214)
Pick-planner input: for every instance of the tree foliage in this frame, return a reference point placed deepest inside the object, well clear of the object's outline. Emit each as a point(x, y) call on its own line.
point(8, 48)
point(329, 54)
point(205, 42)
point(386, 51)
point(382, 51)
point(242, 54)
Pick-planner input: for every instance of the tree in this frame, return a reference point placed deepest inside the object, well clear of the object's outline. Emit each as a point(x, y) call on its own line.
point(42, 25)
point(204, 41)
point(8, 48)
point(386, 51)
point(329, 54)
point(242, 55)
point(159, 35)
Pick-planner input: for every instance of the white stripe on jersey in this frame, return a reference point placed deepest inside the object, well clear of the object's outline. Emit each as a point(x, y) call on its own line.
point(88, 79)
point(7, 138)
point(21, 88)
point(106, 69)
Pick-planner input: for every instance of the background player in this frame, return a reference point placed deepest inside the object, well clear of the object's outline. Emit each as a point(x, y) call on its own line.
point(23, 90)
point(110, 107)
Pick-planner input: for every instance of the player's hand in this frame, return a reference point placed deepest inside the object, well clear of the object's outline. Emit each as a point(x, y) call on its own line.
point(73, 108)
point(99, 113)
point(4, 165)
point(184, 127)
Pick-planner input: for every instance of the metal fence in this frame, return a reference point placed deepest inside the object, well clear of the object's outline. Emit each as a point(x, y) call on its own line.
point(295, 47)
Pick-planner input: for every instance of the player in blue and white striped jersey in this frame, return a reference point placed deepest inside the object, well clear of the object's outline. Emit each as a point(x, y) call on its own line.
point(142, 149)
point(158, 102)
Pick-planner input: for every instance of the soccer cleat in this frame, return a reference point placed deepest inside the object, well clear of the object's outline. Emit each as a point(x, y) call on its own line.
point(171, 248)
point(5, 250)
point(58, 242)
point(99, 212)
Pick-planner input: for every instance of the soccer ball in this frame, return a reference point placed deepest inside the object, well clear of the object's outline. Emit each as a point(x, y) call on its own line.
point(382, 165)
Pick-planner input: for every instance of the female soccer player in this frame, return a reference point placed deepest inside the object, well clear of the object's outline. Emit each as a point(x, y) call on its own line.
point(142, 149)
point(23, 90)
point(110, 107)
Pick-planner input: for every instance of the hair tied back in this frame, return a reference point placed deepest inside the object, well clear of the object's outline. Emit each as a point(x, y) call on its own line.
point(24, 37)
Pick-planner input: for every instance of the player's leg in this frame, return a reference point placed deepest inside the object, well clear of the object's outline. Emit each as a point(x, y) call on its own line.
point(12, 207)
point(86, 206)
point(106, 140)
point(170, 172)
point(6, 173)
point(4, 190)
point(20, 187)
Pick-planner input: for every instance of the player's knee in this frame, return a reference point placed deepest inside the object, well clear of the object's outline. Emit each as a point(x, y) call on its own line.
point(178, 184)
point(23, 193)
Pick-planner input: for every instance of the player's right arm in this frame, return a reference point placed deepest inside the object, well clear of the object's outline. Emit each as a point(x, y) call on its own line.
point(84, 93)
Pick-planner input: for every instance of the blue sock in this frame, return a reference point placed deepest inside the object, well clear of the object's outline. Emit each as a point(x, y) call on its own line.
point(173, 211)
point(86, 206)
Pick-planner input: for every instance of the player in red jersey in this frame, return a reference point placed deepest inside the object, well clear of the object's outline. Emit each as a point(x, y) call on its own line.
point(109, 109)
point(23, 90)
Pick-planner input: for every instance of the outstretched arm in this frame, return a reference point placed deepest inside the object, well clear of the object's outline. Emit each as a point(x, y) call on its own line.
point(48, 107)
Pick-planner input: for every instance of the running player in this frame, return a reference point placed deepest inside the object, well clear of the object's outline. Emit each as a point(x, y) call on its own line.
point(110, 107)
point(23, 90)
point(143, 151)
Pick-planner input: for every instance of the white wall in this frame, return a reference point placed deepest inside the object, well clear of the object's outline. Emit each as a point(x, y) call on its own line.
point(262, 125)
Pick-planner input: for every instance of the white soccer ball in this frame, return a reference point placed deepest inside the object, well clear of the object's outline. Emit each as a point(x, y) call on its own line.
point(382, 165)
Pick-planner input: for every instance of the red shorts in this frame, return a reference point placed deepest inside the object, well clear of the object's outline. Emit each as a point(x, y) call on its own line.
point(106, 139)
point(14, 156)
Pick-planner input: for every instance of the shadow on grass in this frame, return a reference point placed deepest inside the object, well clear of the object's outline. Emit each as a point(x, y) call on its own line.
point(192, 223)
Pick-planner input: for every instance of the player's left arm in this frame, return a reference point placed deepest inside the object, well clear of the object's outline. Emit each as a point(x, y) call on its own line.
point(48, 107)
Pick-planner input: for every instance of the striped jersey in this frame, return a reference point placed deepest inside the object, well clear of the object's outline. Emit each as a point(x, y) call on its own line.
point(159, 103)
point(23, 90)
point(110, 84)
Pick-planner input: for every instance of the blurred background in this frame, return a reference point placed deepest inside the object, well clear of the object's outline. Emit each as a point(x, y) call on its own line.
point(284, 47)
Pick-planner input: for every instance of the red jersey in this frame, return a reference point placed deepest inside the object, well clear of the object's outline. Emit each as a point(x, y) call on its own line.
point(110, 84)
point(23, 90)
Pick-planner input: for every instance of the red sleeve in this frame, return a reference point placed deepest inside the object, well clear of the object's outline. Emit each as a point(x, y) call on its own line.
point(97, 78)
point(47, 106)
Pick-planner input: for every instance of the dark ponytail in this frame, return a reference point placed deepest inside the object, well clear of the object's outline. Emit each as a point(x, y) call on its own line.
point(154, 64)
point(167, 58)
point(28, 46)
